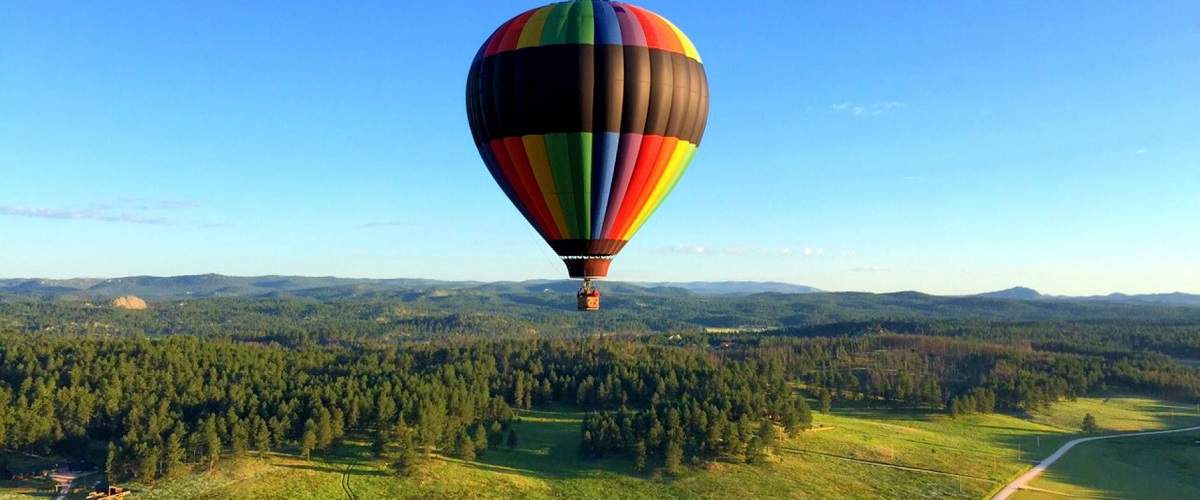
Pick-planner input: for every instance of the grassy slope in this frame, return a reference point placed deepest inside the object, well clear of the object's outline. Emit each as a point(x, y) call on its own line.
point(1120, 414)
point(1140, 467)
point(848, 456)
point(963, 458)
point(1152, 467)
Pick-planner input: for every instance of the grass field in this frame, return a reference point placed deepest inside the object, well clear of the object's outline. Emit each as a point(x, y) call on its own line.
point(1165, 467)
point(852, 453)
point(1120, 414)
point(1138, 467)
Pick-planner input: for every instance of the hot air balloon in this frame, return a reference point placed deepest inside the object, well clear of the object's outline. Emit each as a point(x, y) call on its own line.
point(587, 113)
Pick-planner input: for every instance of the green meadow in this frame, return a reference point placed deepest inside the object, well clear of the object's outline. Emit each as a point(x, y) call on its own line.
point(854, 452)
point(1166, 466)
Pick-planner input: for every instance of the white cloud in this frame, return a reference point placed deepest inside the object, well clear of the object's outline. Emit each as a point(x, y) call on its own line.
point(870, 270)
point(867, 109)
point(727, 251)
point(127, 210)
point(684, 249)
point(390, 223)
point(86, 214)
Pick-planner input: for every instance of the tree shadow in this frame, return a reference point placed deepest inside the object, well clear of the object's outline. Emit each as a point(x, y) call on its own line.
point(548, 447)
point(334, 470)
point(40, 488)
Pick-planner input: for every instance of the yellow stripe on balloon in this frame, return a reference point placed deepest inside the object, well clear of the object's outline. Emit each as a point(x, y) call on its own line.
point(535, 150)
point(531, 34)
point(675, 168)
point(688, 48)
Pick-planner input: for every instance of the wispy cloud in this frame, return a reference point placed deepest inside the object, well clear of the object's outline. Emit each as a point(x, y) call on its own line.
point(83, 214)
point(741, 251)
point(126, 210)
point(390, 223)
point(867, 109)
point(870, 270)
point(685, 249)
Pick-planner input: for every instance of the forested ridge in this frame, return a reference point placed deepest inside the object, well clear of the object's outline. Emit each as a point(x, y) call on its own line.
point(188, 382)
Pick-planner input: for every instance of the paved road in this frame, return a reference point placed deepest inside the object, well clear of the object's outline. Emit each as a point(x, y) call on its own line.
point(1037, 470)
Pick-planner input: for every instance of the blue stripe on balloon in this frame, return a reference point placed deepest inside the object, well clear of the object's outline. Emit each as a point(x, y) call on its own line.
point(604, 160)
point(608, 29)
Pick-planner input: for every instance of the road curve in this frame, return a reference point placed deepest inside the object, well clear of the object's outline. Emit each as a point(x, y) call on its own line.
point(1037, 470)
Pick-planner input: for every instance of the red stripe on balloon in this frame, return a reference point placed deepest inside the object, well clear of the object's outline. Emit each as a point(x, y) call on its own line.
point(653, 178)
point(531, 202)
point(627, 155)
point(512, 32)
point(647, 156)
point(658, 34)
point(524, 169)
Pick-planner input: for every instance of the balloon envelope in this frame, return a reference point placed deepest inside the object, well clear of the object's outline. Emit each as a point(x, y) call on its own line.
point(586, 113)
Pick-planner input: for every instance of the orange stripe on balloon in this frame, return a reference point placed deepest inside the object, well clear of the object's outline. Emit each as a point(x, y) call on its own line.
point(658, 34)
point(530, 152)
point(647, 157)
point(512, 32)
point(676, 165)
point(661, 160)
point(532, 200)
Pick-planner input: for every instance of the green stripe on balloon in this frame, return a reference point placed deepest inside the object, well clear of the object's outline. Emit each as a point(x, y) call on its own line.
point(558, 152)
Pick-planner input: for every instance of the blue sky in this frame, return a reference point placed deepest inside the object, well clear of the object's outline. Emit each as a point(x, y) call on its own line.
point(948, 147)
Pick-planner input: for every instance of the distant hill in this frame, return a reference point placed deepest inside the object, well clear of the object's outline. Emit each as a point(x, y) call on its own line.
point(1017, 293)
point(735, 287)
point(212, 285)
point(1165, 299)
point(1161, 299)
point(153, 288)
point(216, 285)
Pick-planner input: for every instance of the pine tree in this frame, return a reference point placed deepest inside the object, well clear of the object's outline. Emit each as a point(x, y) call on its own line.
point(481, 439)
point(826, 401)
point(791, 421)
point(1089, 424)
point(464, 446)
point(730, 441)
point(238, 440)
point(766, 434)
point(262, 438)
point(110, 462)
point(673, 456)
point(406, 455)
point(755, 453)
point(173, 454)
point(308, 440)
point(324, 429)
point(379, 442)
point(639, 456)
point(147, 463)
point(956, 409)
point(338, 424)
point(212, 443)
